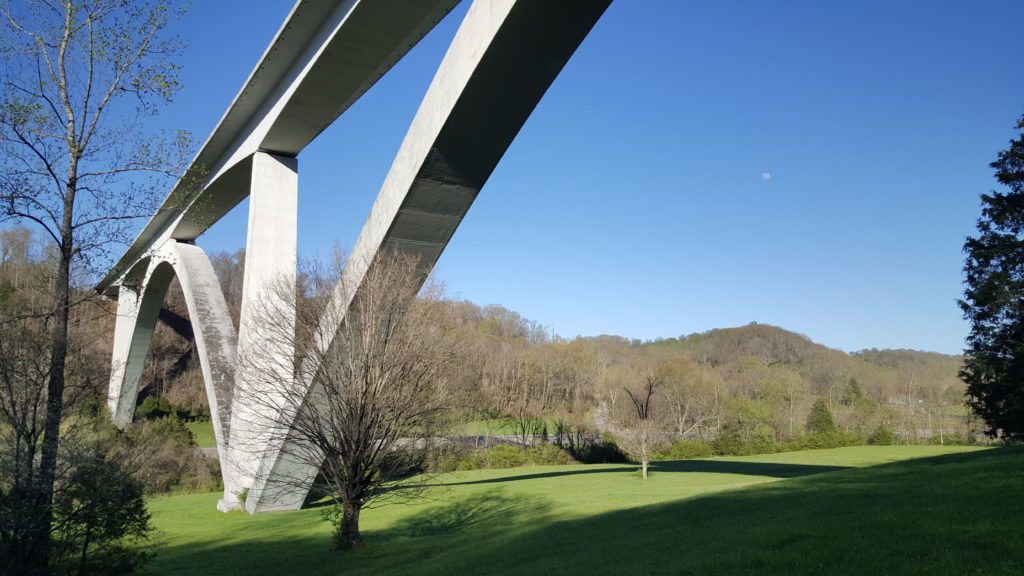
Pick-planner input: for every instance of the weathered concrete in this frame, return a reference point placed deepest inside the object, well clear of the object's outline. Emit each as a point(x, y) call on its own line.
point(214, 337)
point(133, 332)
point(268, 285)
point(329, 52)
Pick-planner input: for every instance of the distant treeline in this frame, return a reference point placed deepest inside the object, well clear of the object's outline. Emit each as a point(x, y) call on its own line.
point(757, 381)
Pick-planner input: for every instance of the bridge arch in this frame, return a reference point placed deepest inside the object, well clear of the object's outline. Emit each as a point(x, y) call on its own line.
point(139, 303)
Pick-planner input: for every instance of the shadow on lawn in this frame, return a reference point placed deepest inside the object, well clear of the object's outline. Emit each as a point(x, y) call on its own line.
point(488, 510)
point(770, 469)
point(767, 469)
point(947, 515)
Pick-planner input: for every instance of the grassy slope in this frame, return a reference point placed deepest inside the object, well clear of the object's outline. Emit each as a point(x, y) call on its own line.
point(498, 427)
point(955, 513)
point(202, 433)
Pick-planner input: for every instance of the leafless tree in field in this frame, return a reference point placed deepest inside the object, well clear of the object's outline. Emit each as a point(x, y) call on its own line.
point(642, 429)
point(375, 373)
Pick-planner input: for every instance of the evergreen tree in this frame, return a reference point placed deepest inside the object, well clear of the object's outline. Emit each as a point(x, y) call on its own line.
point(820, 420)
point(882, 436)
point(993, 301)
point(852, 393)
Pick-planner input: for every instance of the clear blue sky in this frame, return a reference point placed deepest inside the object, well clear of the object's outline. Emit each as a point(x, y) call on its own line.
point(697, 165)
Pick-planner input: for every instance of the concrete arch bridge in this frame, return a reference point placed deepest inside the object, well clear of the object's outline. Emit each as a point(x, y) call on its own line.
point(327, 54)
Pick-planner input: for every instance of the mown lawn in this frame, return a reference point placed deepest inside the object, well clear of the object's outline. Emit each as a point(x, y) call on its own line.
point(859, 510)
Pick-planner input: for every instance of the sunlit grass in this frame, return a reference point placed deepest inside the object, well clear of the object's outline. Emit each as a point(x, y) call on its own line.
point(202, 433)
point(498, 427)
point(858, 510)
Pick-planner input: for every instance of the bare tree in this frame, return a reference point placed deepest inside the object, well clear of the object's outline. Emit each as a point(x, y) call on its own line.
point(80, 77)
point(691, 392)
point(375, 375)
point(643, 431)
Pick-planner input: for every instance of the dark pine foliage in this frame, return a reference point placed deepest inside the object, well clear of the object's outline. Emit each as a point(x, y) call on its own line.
point(993, 301)
point(820, 420)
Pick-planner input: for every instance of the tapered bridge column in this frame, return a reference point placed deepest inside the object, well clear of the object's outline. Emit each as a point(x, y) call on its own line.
point(266, 324)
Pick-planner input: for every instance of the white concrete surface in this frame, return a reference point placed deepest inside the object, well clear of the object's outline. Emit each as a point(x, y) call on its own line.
point(265, 344)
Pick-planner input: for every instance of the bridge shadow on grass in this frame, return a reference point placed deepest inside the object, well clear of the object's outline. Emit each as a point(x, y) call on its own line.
point(948, 515)
point(769, 469)
point(766, 469)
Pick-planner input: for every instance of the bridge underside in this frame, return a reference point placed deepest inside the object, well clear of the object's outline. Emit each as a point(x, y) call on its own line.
point(504, 57)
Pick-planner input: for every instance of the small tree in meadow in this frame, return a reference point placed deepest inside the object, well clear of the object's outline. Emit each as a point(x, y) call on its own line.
point(643, 431)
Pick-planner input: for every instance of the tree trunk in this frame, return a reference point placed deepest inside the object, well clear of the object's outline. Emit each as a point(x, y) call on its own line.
point(644, 465)
point(55, 385)
point(350, 537)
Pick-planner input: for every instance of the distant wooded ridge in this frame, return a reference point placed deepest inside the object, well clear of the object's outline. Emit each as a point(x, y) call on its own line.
point(759, 379)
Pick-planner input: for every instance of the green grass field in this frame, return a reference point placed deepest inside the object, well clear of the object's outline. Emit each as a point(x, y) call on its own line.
point(498, 427)
point(202, 433)
point(862, 510)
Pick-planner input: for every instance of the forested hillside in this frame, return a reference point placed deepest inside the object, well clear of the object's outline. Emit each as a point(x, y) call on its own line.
point(757, 381)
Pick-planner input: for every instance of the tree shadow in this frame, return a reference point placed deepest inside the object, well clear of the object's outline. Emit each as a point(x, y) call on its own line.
point(491, 509)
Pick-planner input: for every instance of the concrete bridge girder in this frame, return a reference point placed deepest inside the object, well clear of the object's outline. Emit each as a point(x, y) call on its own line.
point(326, 55)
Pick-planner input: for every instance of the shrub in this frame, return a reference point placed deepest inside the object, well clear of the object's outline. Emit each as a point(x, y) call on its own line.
point(474, 461)
point(834, 439)
point(165, 449)
point(605, 451)
point(200, 475)
point(684, 449)
point(446, 462)
point(100, 517)
point(334, 515)
point(157, 407)
point(761, 443)
point(154, 408)
point(882, 436)
point(505, 456)
point(965, 439)
point(730, 442)
point(548, 455)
